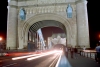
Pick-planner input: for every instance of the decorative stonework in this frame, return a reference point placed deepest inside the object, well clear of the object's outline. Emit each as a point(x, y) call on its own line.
point(47, 9)
point(58, 40)
point(39, 2)
point(42, 2)
point(61, 10)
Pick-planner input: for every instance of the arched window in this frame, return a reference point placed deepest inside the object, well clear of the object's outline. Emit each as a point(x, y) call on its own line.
point(22, 14)
point(69, 11)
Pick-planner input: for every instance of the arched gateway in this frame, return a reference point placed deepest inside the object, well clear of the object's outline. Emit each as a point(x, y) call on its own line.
point(42, 13)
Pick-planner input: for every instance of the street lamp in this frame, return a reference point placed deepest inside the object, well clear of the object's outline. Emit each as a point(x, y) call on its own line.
point(99, 38)
point(0, 43)
point(99, 35)
point(45, 44)
point(0, 38)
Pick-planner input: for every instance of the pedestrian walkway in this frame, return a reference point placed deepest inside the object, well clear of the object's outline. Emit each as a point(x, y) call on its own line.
point(82, 62)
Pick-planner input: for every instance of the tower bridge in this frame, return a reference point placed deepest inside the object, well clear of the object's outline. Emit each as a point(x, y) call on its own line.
point(25, 17)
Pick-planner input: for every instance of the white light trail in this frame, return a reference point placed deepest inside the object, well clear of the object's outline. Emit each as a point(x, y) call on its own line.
point(58, 52)
point(16, 58)
point(37, 55)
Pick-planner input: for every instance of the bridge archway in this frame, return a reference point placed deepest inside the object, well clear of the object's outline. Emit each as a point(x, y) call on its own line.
point(43, 19)
point(76, 27)
point(59, 46)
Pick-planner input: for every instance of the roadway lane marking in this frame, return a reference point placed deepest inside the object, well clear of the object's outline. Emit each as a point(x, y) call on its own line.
point(54, 60)
point(10, 65)
point(58, 61)
point(45, 62)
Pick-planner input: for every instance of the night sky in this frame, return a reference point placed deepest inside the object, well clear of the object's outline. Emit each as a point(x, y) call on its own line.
point(93, 19)
point(48, 31)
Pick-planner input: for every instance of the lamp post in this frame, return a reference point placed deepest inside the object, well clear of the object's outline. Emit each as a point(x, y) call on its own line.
point(0, 38)
point(99, 38)
point(0, 43)
point(45, 44)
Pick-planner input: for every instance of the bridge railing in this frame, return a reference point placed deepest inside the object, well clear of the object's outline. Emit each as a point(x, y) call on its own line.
point(88, 53)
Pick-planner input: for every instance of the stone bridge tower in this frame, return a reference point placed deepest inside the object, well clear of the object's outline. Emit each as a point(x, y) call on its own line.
point(25, 15)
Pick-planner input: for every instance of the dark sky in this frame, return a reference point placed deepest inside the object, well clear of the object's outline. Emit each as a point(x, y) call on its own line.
point(93, 19)
point(48, 31)
point(3, 18)
point(94, 22)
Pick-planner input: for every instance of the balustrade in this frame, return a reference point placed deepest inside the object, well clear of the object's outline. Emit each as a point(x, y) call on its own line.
point(88, 53)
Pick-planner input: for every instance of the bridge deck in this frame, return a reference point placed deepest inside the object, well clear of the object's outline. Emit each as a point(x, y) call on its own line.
point(81, 61)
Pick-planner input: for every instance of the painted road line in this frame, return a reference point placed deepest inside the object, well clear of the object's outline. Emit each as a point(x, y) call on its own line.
point(10, 65)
